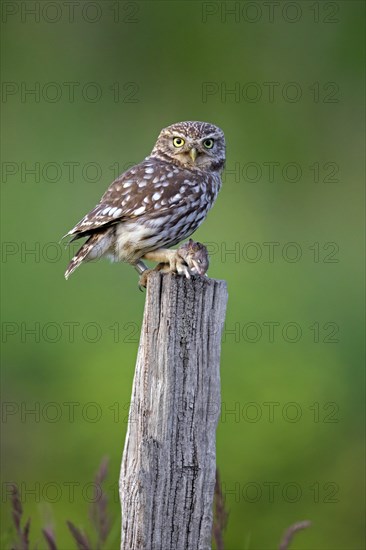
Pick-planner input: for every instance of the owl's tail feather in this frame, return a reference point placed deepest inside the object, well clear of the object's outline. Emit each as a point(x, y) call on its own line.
point(95, 246)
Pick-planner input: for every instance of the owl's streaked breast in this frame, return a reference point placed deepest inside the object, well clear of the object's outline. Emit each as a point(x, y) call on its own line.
point(168, 218)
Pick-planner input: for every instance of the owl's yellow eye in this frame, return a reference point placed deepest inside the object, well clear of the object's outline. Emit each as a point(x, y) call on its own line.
point(208, 143)
point(178, 142)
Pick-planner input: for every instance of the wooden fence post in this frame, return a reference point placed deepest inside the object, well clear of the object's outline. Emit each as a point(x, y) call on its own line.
point(168, 468)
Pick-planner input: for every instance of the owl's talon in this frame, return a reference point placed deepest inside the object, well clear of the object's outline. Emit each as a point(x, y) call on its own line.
point(178, 265)
point(143, 279)
point(189, 259)
point(182, 269)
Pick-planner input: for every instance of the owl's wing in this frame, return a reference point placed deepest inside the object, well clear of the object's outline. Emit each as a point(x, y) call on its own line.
point(152, 187)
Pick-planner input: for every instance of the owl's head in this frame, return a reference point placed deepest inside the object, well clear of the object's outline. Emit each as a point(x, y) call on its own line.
point(192, 145)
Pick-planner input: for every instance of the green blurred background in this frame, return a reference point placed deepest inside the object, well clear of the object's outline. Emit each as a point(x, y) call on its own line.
point(107, 77)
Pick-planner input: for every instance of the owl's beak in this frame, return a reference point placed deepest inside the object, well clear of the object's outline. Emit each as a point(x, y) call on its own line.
point(193, 154)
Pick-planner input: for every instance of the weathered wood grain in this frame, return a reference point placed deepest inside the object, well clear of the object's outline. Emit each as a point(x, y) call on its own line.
point(168, 468)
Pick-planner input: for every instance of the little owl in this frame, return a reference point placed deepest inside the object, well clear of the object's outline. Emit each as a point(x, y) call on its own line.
point(157, 203)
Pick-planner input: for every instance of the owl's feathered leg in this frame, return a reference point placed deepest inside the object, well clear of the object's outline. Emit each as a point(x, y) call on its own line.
point(191, 258)
point(169, 262)
point(176, 263)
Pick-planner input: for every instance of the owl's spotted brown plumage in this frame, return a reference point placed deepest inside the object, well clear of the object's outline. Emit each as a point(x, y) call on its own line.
point(157, 203)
